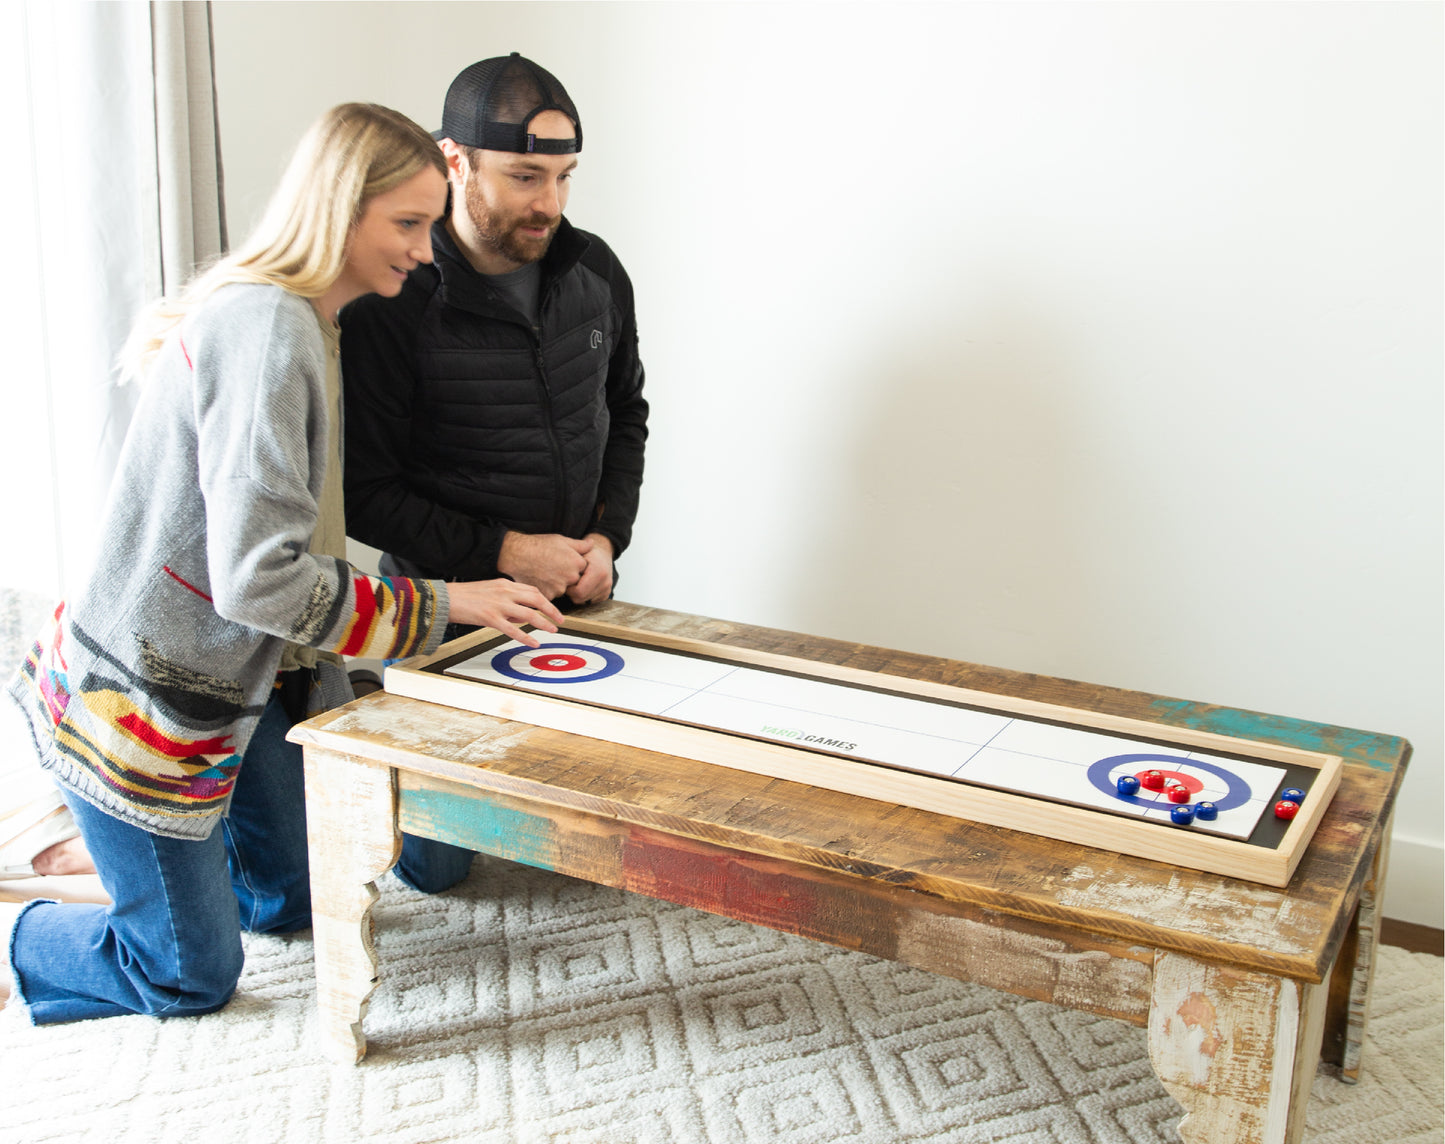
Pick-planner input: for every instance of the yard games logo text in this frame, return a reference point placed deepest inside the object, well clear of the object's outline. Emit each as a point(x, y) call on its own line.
point(812, 740)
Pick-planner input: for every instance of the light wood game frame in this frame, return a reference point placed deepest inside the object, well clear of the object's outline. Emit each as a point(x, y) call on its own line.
point(420, 678)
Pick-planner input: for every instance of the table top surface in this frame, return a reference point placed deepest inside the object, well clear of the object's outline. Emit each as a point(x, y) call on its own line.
point(1295, 931)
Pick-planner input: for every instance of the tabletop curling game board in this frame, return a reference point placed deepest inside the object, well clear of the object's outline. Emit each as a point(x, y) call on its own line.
point(1197, 799)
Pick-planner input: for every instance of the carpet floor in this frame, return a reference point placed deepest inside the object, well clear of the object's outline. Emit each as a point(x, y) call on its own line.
point(525, 1007)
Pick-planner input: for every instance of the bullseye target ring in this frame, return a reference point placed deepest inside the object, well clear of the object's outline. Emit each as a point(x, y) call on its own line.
point(558, 663)
point(1104, 773)
point(1179, 778)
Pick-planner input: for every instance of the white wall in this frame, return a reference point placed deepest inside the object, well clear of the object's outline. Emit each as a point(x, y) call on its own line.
point(1099, 340)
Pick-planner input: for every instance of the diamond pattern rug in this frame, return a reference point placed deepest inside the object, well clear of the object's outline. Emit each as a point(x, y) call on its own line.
point(526, 1007)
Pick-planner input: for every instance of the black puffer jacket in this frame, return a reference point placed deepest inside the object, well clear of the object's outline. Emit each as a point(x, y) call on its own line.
point(464, 421)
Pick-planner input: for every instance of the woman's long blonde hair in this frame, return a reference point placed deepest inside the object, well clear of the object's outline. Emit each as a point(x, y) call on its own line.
point(349, 156)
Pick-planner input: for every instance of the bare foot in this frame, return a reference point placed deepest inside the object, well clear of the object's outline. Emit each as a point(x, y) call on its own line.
point(68, 857)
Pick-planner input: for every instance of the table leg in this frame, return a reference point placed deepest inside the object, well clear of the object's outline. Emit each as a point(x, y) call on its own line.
point(1366, 928)
point(353, 839)
point(1238, 1050)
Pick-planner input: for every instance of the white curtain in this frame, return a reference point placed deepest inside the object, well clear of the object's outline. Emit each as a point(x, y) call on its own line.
point(188, 156)
point(118, 166)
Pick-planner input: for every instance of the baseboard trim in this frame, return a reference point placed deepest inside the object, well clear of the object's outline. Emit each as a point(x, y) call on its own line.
point(1416, 939)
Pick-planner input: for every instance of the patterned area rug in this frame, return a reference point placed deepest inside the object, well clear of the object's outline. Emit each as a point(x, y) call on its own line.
point(527, 1007)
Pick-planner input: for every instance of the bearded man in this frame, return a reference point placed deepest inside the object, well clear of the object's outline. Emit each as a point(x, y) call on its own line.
point(494, 413)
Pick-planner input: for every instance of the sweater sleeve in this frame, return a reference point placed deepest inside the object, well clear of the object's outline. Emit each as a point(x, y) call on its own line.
point(262, 424)
point(383, 508)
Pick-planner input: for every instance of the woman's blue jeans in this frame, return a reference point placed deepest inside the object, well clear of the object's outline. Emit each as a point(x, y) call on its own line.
point(170, 943)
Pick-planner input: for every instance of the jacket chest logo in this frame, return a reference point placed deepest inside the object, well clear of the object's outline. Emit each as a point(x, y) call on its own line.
point(596, 338)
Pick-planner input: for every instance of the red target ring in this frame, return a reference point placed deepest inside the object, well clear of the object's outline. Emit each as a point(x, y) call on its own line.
point(1104, 773)
point(553, 661)
point(1188, 782)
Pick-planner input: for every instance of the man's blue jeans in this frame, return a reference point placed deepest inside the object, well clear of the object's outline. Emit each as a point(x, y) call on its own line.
point(431, 866)
point(426, 864)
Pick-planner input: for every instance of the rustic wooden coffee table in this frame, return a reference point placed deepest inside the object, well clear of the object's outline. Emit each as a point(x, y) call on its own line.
point(1242, 987)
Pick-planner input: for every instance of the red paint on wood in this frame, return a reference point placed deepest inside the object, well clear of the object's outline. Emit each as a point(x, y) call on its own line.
point(718, 881)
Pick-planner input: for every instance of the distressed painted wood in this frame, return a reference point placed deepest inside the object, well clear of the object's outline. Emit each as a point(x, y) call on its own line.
point(1237, 1050)
point(419, 679)
point(1074, 924)
point(1294, 931)
point(352, 837)
point(852, 909)
point(1366, 934)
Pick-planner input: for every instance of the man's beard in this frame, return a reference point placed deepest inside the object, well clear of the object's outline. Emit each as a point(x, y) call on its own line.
point(499, 232)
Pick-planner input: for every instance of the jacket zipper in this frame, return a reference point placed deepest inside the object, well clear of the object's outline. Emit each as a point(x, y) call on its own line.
point(558, 470)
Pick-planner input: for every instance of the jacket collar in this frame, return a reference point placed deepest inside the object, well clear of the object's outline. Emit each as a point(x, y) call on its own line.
point(464, 288)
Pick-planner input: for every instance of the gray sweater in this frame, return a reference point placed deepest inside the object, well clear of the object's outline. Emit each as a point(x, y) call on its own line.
point(146, 687)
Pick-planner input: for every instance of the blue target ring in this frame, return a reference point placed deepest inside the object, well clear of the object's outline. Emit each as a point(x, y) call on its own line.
point(612, 663)
point(1238, 790)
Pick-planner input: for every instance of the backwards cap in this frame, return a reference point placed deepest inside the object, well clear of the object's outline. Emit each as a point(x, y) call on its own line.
point(490, 104)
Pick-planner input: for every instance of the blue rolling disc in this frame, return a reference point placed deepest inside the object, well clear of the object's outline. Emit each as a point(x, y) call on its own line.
point(1206, 812)
point(1182, 815)
point(1292, 794)
point(1127, 785)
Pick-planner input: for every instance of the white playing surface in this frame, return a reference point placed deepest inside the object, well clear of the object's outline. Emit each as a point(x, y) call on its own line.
point(993, 750)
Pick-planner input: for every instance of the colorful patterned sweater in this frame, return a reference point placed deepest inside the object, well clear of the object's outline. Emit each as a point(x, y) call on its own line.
point(145, 689)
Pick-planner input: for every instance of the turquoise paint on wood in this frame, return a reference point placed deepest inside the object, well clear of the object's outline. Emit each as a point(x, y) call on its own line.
point(471, 821)
point(1384, 752)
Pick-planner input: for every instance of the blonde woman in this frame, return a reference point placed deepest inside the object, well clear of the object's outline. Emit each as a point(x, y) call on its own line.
point(160, 696)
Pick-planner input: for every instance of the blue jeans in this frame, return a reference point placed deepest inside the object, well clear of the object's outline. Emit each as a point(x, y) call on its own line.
point(426, 864)
point(169, 945)
point(431, 866)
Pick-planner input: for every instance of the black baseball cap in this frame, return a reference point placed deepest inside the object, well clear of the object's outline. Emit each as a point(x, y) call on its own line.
point(491, 104)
